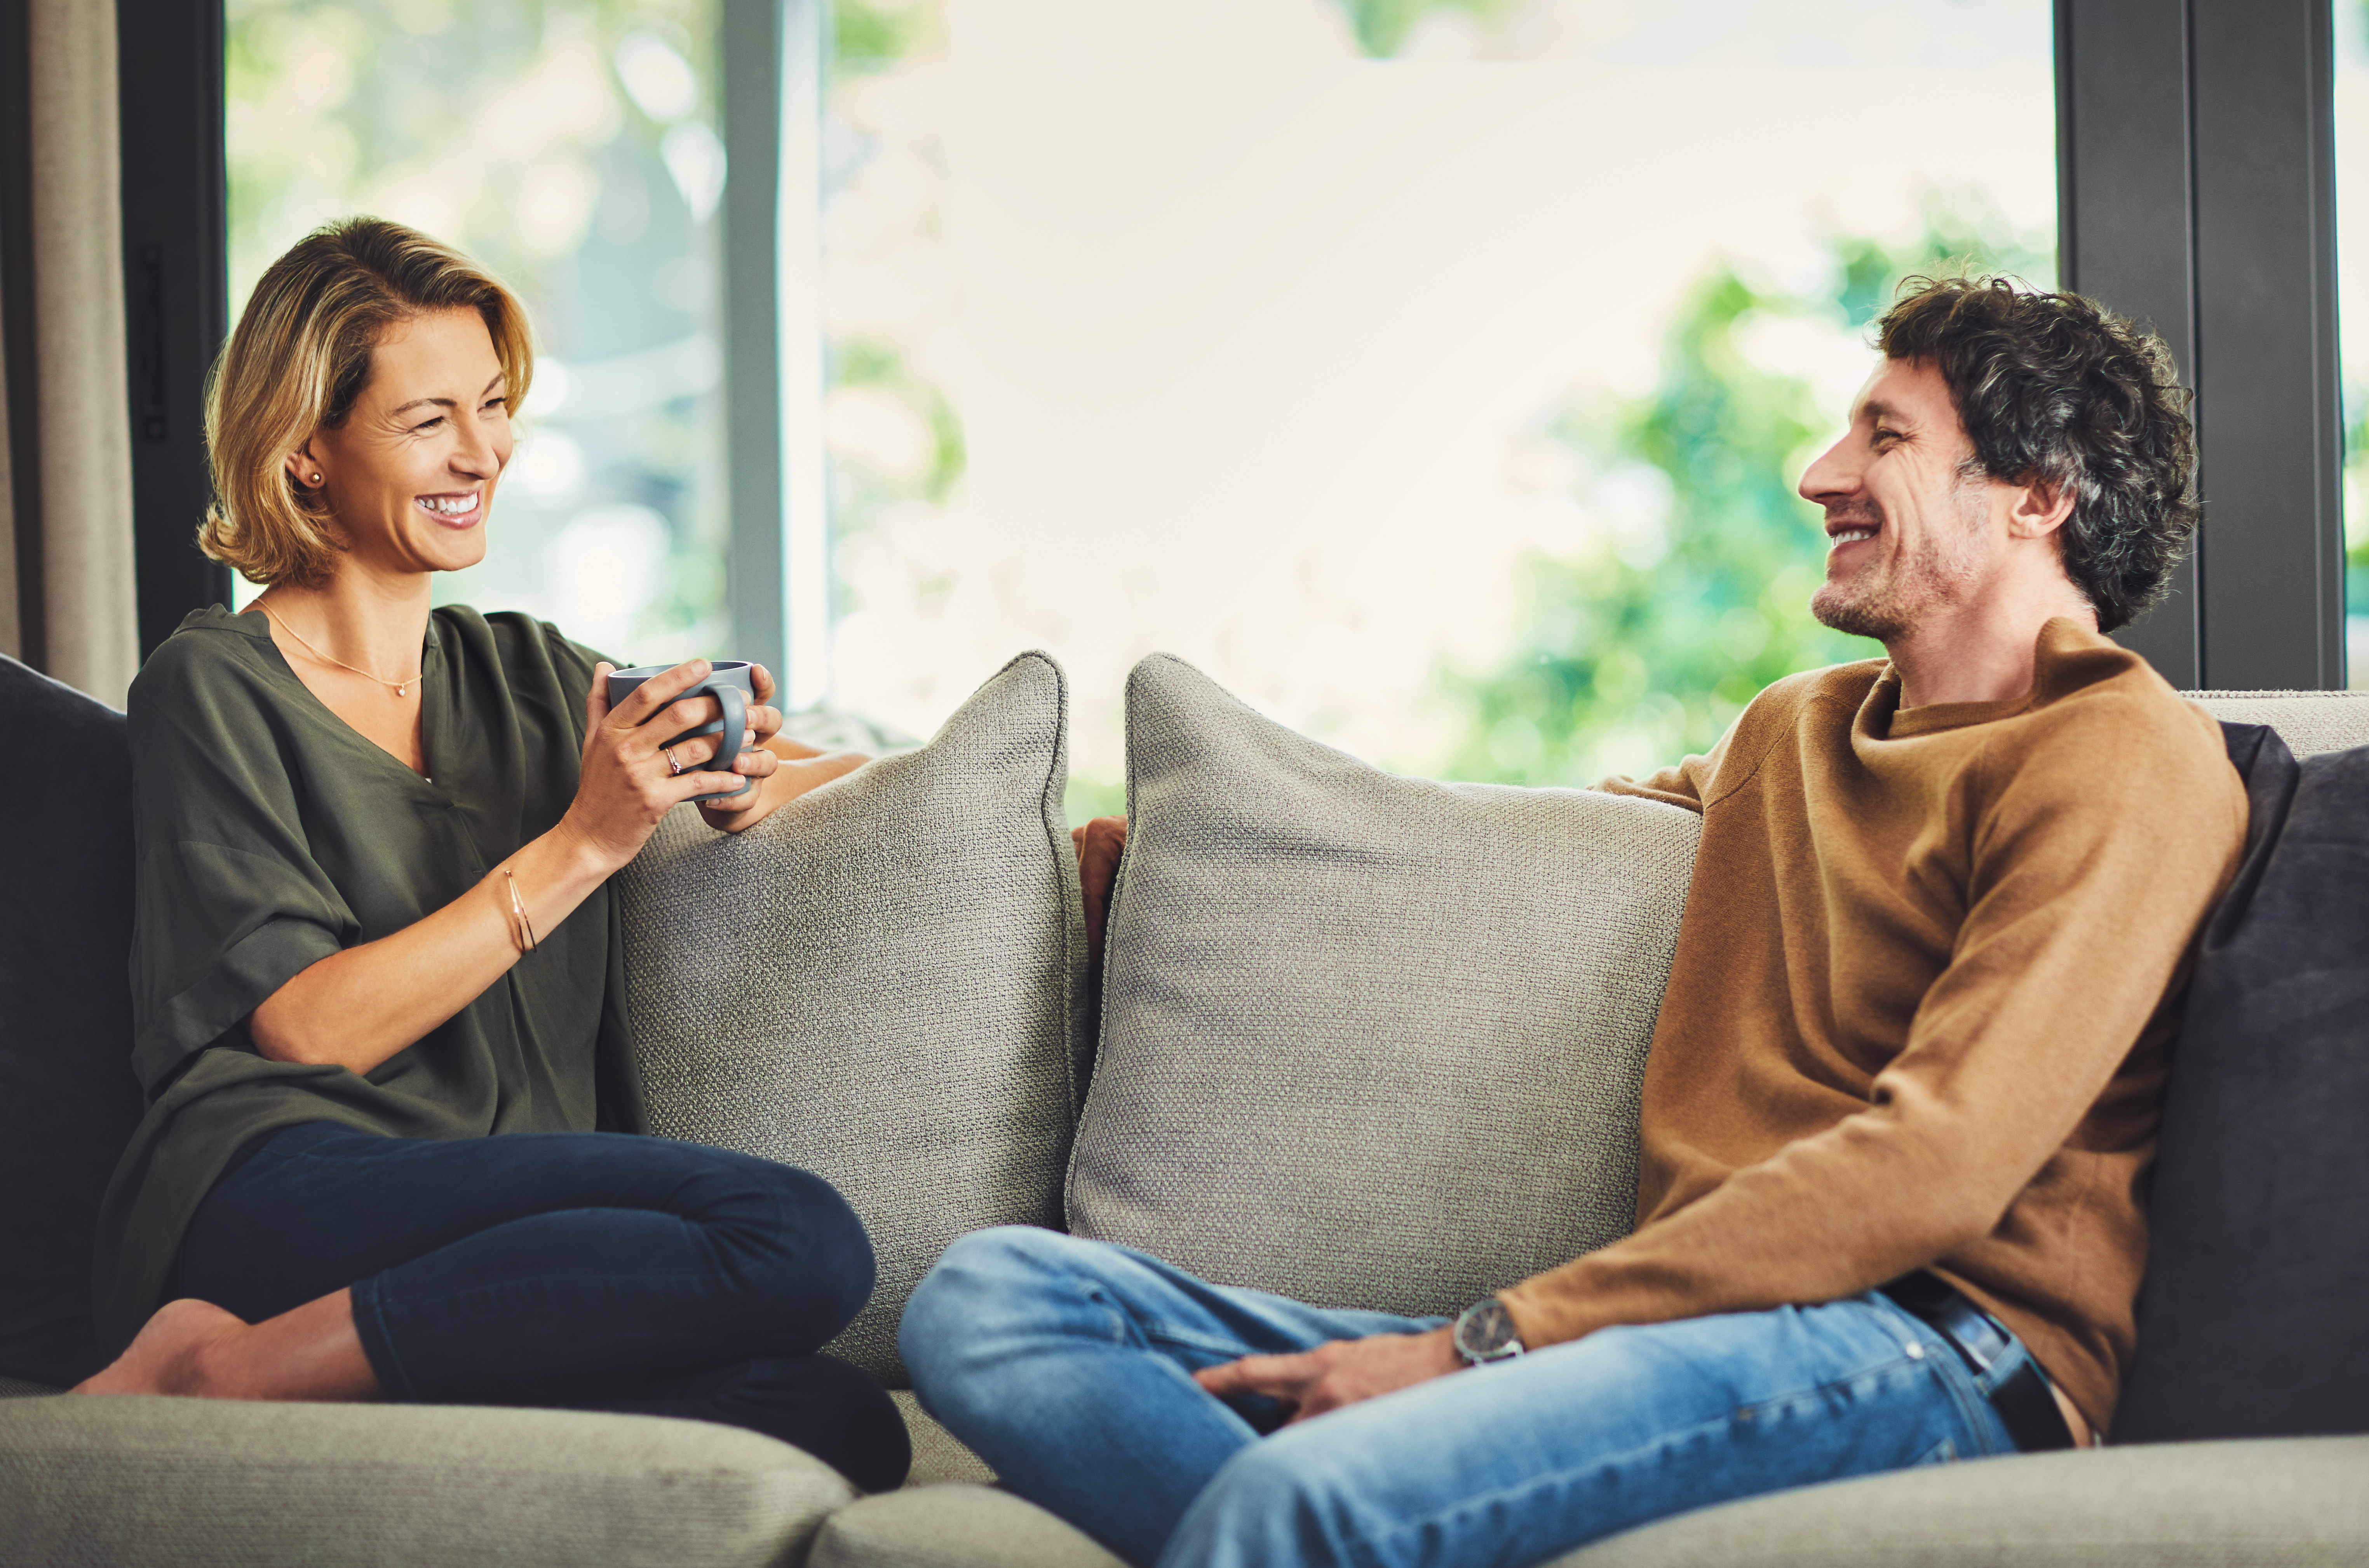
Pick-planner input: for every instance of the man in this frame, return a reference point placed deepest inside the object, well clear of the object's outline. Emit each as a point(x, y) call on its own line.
point(1901, 1096)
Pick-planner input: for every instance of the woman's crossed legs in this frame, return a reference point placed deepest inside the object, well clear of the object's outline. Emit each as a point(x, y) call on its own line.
point(590, 1271)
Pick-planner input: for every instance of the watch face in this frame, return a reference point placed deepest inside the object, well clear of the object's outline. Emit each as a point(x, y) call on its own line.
point(1486, 1333)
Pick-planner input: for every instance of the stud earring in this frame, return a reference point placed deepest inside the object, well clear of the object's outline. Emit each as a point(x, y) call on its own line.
point(316, 478)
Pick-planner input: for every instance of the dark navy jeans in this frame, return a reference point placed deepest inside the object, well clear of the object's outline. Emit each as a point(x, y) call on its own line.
point(585, 1271)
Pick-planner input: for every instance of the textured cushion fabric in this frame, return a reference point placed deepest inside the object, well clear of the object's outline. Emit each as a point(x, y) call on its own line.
point(2309, 721)
point(2250, 1315)
point(104, 1482)
point(940, 1458)
point(17, 1388)
point(882, 983)
point(2298, 1503)
point(68, 1101)
point(1368, 1041)
point(952, 1527)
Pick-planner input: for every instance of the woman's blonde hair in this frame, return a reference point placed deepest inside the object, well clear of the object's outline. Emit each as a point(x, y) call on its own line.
point(300, 357)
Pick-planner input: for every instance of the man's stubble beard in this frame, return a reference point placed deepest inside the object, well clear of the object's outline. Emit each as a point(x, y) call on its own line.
point(1904, 591)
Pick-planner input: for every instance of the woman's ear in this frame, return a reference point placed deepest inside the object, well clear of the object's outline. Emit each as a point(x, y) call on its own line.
point(304, 467)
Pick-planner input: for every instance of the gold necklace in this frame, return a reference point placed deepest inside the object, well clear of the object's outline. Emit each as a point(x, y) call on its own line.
point(398, 688)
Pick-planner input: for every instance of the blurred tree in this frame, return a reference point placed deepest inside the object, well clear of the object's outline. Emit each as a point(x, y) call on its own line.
point(896, 440)
point(872, 36)
point(571, 146)
point(1382, 26)
point(1690, 589)
point(2356, 500)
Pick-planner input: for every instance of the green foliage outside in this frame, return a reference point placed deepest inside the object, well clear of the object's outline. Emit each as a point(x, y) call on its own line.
point(2356, 500)
point(1382, 26)
point(537, 136)
point(870, 36)
point(1690, 592)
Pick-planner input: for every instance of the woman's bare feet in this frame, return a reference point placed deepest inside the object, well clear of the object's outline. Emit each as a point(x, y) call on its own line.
point(195, 1348)
point(166, 1356)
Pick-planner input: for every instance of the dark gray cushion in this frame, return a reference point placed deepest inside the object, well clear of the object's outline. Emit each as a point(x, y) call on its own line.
point(2249, 1321)
point(1369, 1041)
point(67, 1098)
point(882, 983)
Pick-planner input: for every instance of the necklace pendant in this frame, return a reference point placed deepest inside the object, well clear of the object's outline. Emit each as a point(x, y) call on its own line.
point(402, 690)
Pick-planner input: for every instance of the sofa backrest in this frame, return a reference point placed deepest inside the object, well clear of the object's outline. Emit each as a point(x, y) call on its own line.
point(67, 1097)
point(2308, 722)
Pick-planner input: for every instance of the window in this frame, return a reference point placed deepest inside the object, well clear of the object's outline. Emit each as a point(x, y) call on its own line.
point(2351, 126)
point(1434, 375)
point(574, 149)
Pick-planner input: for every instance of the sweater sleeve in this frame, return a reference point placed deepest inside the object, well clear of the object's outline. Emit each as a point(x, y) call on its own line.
point(2088, 885)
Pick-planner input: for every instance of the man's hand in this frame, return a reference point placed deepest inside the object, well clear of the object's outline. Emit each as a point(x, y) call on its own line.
point(1338, 1372)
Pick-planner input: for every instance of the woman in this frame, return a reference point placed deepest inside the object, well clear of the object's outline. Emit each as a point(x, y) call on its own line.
point(374, 927)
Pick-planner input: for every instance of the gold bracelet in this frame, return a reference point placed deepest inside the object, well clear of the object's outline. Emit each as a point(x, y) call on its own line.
point(518, 907)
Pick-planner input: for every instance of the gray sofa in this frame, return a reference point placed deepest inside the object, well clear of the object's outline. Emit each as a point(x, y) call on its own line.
point(892, 986)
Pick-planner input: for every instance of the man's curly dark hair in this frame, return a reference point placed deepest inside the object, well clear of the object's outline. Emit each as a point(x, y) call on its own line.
point(2056, 389)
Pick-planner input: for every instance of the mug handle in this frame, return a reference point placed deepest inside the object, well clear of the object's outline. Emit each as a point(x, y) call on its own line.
point(736, 724)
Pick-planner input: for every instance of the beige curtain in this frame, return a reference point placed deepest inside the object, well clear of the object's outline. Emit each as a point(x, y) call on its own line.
point(89, 633)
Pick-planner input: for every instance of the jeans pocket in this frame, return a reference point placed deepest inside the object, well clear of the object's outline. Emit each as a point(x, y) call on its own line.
point(1942, 1453)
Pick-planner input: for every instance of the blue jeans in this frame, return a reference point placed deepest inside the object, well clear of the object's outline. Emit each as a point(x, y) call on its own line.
point(1067, 1364)
point(584, 1271)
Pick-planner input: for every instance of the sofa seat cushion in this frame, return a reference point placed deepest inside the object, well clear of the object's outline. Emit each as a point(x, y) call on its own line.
point(952, 1527)
point(940, 1459)
point(883, 983)
point(1368, 1041)
point(253, 1485)
point(2296, 1502)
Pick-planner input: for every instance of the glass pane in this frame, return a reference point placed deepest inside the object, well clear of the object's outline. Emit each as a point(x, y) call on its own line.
point(2353, 318)
point(1434, 373)
point(573, 149)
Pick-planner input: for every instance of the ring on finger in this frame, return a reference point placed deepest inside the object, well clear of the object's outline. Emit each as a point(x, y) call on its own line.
point(674, 763)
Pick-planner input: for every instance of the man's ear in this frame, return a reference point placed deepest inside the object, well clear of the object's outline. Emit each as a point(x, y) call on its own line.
point(2039, 509)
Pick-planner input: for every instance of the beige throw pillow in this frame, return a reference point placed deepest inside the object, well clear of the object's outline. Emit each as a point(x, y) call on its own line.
point(1367, 1040)
point(883, 983)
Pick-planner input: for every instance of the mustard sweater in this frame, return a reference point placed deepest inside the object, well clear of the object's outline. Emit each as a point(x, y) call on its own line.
point(1919, 1012)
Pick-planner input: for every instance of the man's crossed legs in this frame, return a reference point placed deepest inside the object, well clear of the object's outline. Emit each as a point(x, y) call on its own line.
point(1066, 1365)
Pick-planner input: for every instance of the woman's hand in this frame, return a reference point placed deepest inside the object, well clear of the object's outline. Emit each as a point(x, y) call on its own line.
point(357, 1008)
point(783, 769)
point(628, 785)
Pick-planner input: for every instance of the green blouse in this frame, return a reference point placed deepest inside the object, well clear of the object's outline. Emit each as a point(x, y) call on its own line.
point(269, 835)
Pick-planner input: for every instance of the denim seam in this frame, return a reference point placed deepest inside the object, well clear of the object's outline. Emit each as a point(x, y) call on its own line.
point(1368, 1548)
point(1827, 1386)
point(1967, 1390)
point(1163, 1332)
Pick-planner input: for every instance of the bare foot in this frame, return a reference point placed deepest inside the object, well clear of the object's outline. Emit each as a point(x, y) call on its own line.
point(164, 1358)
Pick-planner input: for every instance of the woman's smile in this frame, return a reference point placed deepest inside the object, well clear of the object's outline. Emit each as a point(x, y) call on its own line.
point(453, 509)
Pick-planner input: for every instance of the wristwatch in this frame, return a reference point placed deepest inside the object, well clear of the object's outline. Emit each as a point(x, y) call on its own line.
point(1485, 1333)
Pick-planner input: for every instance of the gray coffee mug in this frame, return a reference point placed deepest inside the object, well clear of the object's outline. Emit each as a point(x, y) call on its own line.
point(729, 682)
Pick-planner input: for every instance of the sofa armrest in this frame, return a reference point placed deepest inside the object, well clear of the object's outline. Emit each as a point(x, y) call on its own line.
point(262, 1486)
point(2266, 1502)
